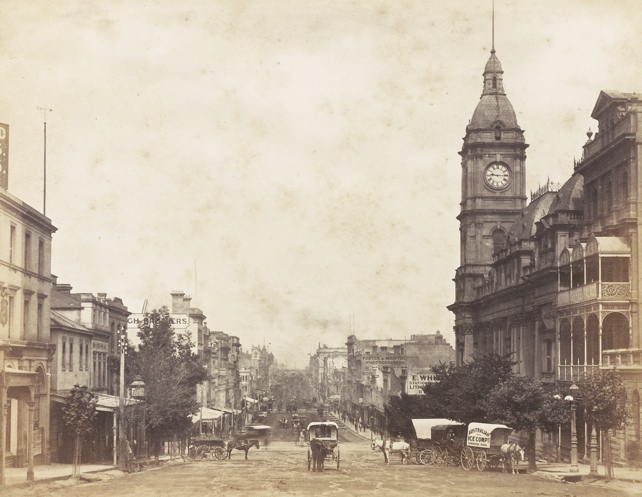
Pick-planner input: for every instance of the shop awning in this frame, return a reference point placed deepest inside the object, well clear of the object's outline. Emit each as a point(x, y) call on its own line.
point(206, 414)
point(105, 403)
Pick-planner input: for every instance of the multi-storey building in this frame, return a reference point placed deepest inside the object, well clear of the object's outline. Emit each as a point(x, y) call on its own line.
point(25, 351)
point(379, 368)
point(84, 330)
point(555, 282)
point(323, 365)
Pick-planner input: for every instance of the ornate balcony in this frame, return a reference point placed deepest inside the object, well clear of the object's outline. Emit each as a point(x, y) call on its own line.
point(623, 358)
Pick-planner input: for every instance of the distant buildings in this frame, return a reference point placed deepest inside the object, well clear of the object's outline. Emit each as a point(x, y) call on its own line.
point(379, 368)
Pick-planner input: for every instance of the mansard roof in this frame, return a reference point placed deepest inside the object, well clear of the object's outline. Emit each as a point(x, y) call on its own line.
point(570, 197)
point(524, 226)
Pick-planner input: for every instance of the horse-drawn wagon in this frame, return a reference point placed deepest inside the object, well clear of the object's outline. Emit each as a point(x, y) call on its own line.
point(207, 447)
point(486, 446)
point(448, 442)
point(323, 442)
point(422, 447)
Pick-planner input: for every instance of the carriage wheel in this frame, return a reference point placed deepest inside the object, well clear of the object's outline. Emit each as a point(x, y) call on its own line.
point(482, 461)
point(467, 458)
point(338, 458)
point(426, 457)
point(414, 455)
point(220, 454)
point(309, 460)
point(201, 452)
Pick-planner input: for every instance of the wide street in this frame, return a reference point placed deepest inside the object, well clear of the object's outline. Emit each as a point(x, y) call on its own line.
point(282, 470)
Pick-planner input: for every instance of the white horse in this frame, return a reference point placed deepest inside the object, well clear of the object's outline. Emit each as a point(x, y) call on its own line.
point(512, 453)
point(388, 447)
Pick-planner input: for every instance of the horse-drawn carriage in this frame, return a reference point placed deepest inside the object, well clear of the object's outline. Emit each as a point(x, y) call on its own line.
point(422, 447)
point(487, 446)
point(448, 442)
point(323, 442)
point(207, 447)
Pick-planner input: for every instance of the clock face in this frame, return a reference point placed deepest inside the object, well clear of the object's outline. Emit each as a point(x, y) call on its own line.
point(497, 175)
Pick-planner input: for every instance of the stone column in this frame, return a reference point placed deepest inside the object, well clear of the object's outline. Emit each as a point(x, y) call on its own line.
point(32, 408)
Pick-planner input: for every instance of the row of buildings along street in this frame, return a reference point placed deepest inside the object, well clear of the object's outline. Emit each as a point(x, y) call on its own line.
point(54, 338)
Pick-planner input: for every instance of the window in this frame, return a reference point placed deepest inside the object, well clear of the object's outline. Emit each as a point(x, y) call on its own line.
point(548, 356)
point(86, 356)
point(494, 81)
point(10, 317)
point(594, 204)
point(498, 133)
point(41, 256)
point(12, 244)
point(609, 197)
point(71, 354)
point(25, 320)
point(40, 317)
point(625, 186)
point(27, 254)
point(64, 353)
point(499, 240)
point(80, 351)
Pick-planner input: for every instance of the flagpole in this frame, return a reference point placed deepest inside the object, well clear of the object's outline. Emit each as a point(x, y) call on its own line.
point(44, 173)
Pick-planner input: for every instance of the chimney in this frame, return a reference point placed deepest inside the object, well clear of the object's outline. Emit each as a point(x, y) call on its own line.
point(177, 301)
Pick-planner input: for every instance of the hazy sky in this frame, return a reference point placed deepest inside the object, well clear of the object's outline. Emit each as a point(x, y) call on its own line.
point(289, 164)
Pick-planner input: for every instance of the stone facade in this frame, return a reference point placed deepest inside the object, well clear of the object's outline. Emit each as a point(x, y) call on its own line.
point(555, 282)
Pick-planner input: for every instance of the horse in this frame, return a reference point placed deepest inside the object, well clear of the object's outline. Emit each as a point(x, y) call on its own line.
point(388, 447)
point(241, 444)
point(511, 453)
point(320, 450)
point(300, 437)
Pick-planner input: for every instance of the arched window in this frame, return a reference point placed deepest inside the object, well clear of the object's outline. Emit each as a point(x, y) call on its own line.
point(498, 133)
point(494, 81)
point(499, 240)
point(594, 204)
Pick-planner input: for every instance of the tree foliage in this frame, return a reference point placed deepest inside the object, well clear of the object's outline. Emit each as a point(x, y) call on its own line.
point(79, 414)
point(604, 398)
point(459, 391)
point(171, 370)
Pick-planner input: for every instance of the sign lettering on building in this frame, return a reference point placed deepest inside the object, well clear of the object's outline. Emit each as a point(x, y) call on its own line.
point(178, 321)
point(376, 360)
point(4, 156)
point(417, 381)
point(100, 346)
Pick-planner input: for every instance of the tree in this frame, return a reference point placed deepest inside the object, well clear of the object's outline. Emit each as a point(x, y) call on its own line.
point(79, 414)
point(604, 398)
point(459, 391)
point(171, 370)
point(525, 405)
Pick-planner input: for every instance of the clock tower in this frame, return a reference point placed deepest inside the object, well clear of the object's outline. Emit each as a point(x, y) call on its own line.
point(493, 194)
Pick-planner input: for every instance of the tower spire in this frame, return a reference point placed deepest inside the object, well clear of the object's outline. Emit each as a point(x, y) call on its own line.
point(493, 30)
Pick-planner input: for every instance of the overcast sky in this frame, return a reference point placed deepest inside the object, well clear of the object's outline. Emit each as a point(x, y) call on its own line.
point(288, 164)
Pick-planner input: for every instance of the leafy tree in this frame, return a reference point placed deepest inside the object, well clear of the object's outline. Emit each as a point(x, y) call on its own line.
point(171, 371)
point(604, 398)
point(459, 391)
point(79, 414)
point(457, 394)
point(525, 405)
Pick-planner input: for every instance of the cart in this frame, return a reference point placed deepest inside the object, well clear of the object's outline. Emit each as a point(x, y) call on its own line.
point(483, 445)
point(324, 436)
point(446, 450)
point(422, 446)
point(207, 447)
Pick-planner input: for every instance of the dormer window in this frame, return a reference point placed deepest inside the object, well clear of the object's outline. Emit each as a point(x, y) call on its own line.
point(494, 81)
point(498, 132)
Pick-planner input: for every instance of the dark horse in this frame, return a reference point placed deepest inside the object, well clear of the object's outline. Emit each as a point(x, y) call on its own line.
point(320, 450)
point(241, 444)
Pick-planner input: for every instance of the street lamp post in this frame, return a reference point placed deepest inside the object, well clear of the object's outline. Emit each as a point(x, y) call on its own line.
point(137, 391)
point(574, 467)
point(122, 451)
point(593, 470)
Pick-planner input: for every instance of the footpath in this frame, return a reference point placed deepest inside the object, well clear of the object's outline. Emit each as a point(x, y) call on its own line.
point(88, 472)
point(623, 477)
